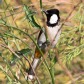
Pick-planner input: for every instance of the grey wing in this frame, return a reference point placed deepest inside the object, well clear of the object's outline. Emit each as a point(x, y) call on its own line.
point(42, 40)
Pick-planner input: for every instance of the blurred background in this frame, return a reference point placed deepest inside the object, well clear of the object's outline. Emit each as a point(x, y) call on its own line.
point(20, 23)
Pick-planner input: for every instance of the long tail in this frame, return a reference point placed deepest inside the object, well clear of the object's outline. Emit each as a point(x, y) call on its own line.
point(31, 74)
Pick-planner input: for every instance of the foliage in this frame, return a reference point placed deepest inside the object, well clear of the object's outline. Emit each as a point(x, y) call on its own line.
point(18, 40)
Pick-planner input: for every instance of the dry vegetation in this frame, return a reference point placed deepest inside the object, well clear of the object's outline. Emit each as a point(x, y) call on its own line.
point(18, 32)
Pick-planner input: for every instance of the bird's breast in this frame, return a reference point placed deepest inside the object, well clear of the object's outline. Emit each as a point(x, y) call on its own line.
point(53, 34)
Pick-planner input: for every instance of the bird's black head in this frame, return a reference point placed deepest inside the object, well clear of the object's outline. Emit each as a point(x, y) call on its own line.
point(52, 17)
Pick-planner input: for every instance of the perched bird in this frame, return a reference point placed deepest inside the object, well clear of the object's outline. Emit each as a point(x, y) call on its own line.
point(53, 34)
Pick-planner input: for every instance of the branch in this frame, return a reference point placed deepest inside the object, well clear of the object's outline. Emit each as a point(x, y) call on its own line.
point(49, 47)
point(10, 49)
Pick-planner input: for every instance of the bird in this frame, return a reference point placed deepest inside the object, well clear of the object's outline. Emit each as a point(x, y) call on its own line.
point(53, 29)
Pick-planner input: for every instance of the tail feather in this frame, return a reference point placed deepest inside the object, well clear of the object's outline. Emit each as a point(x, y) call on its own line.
point(31, 74)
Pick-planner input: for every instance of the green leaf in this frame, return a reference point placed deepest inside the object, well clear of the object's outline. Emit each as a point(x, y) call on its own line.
point(2, 21)
point(7, 75)
point(0, 53)
point(73, 53)
point(30, 17)
point(41, 4)
point(36, 25)
point(25, 52)
point(1, 68)
point(54, 60)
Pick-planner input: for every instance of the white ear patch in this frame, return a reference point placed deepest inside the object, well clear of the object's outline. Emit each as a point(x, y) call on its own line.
point(53, 19)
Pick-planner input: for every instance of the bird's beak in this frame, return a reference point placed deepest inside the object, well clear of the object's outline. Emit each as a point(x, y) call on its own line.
point(44, 11)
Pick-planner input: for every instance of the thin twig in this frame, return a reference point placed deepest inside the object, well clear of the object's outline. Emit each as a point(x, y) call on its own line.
point(32, 69)
point(76, 77)
point(10, 49)
point(66, 19)
point(35, 32)
point(49, 47)
point(12, 14)
point(5, 46)
point(57, 56)
point(56, 35)
point(63, 66)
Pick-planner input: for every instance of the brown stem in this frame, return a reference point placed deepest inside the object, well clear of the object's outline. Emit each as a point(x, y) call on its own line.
point(10, 49)
point(63, 66)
